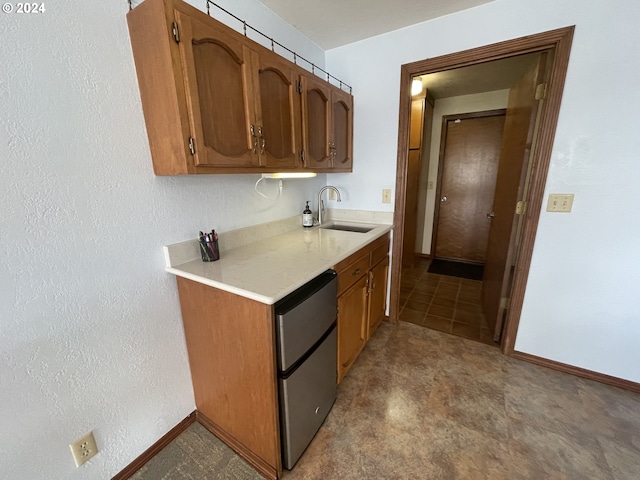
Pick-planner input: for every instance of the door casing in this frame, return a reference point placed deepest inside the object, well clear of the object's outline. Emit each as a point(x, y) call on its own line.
point(559, 41)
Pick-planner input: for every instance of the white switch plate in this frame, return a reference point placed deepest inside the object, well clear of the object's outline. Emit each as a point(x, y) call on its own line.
point(560, 202)
point(332, 194)
point(386, 195)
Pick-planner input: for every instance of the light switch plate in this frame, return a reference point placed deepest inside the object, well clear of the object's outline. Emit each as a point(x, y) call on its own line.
point(386, 195)
point(560, 202)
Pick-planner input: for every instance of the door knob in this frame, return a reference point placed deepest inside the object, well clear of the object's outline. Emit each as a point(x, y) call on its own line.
point(490, 215)
point(443, 199)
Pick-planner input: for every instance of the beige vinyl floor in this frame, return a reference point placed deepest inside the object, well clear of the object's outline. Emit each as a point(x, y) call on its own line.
point(423, 404)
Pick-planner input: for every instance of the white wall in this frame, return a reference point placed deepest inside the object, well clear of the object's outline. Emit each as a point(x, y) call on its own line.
point(582, 305)
point(91, 335)
point(478, 102)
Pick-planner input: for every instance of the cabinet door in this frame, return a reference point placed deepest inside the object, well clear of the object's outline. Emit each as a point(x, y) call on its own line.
point(352, 323)
point(377, 295)
point(278, 113)
point(341, 130)
point(316, 122)
point(219, 92)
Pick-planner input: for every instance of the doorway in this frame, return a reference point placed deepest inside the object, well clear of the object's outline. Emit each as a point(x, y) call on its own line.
point(558, 42)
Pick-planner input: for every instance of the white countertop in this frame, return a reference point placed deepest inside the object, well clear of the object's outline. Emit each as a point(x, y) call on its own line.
point(272, 268)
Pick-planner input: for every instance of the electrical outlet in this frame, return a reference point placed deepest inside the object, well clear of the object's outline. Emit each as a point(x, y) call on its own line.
point(83, 449)
point(386, 195)
point(560, 202)
point(332, 194)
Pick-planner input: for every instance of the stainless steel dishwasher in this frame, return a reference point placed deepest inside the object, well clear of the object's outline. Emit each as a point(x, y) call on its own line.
point(306, 349)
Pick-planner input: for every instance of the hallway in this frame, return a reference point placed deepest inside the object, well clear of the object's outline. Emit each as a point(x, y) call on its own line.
point(444, 303)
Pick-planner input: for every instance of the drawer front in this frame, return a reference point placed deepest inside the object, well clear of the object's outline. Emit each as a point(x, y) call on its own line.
point(353, 272)
point(379, 250)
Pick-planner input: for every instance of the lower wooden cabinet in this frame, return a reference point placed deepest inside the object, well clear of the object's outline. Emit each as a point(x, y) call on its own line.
point(377, 295)
point(352, 324)
point(362, 297)
point(232, 351)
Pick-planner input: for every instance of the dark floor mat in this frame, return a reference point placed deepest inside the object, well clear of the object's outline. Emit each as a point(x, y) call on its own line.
point(457, 269)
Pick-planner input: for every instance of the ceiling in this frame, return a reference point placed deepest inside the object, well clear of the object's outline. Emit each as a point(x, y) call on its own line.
point(483, 77)
point(333, 23)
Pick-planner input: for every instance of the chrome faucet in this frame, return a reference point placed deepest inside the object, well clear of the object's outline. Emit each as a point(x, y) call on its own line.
point(321, 203)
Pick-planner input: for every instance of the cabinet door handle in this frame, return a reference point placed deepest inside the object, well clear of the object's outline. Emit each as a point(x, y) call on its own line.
point(255, 139)
point(263, 142)
point(356, 271)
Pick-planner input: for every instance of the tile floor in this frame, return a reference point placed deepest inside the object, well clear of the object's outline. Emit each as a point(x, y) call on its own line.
point(444, 303)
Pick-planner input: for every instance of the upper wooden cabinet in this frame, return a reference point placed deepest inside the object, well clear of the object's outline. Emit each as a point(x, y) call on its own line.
point(327, 126)
point(416, 124)
point(219, 78)
point(214, 101)
point(342, 130)
point(279, 113)
point(316, 123)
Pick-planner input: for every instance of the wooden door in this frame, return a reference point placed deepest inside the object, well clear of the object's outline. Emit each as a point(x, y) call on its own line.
point(278, 113)
point(341, 146)
point(219, 94)
point(352, 322)
point(466, 184)
point(413, 180)
point(411, 208)
point(377, 295)
point(316, 120)
point(522, 110)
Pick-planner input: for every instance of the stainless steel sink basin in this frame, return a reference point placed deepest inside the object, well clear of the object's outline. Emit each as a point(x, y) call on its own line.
point(348, 227)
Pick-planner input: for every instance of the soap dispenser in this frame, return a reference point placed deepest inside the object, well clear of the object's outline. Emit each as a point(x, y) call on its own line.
point(307, 217)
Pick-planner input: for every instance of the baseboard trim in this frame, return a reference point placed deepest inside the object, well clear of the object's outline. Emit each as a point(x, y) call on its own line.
point(154, 449)
point(579, 372)
point(256, 462)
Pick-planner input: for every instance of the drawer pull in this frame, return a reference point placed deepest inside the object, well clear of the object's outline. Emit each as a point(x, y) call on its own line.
point(356, 271)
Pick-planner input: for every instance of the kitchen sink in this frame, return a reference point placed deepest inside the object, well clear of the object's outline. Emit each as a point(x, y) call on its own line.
point(348, 227)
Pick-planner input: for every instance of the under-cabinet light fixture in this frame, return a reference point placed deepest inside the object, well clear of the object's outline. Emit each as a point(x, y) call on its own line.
point(416, 86)
point(289, 175)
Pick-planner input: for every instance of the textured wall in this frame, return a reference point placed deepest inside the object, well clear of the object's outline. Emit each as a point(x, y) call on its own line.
point(582, 300)
point(90, 329)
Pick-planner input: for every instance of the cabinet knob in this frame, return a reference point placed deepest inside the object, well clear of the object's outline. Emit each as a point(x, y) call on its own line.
point(356, 271)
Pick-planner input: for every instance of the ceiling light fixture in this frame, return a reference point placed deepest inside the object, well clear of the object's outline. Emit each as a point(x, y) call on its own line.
point(416, 86)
